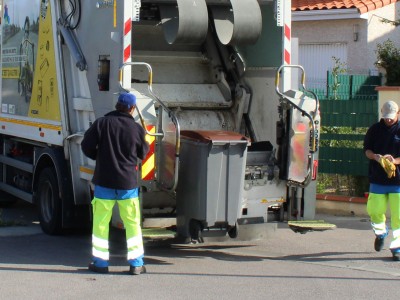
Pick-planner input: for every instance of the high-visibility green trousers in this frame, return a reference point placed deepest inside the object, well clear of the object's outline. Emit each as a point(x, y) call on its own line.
point(376, 208)
point(129, 210)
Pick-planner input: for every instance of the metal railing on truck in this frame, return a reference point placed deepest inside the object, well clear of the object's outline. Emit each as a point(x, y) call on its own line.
point(164, 184)
point(297, 104)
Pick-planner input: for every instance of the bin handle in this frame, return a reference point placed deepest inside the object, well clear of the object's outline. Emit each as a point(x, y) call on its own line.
point(303, 80)
point(232, 142)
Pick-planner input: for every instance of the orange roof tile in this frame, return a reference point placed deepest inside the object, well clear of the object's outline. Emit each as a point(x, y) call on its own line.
point(363, 6)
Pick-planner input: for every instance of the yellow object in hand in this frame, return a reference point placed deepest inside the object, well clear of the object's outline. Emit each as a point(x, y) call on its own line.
point(388, 166)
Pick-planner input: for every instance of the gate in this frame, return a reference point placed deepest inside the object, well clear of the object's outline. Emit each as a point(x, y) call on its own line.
point(345, 121)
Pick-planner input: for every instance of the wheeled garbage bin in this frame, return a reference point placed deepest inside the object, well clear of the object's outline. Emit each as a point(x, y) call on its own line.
point(210, 182)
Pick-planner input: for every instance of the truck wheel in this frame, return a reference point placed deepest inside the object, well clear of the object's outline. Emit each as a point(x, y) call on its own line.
point(49, 202)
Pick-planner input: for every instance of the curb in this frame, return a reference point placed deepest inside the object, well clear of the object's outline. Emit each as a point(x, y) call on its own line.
point(340, 198)
point(341, 205)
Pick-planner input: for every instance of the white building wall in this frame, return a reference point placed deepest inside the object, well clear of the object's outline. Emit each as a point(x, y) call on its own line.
point(379, 32)
point(318, 58)
point(359, 35)
point(336, 31)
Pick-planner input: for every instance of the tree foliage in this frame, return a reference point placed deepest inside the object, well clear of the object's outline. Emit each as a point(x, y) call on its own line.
point(389, 58)
point(338, 68)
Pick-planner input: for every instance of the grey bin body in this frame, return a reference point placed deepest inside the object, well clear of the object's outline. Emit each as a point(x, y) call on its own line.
point(211, 178)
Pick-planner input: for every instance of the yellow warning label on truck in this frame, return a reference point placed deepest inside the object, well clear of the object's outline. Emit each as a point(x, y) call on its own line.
point(45, 103)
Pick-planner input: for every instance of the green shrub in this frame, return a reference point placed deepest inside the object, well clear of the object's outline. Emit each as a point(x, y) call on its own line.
point(389, 58)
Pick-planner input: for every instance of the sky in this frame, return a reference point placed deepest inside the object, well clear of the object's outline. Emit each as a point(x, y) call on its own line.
point(19, 9)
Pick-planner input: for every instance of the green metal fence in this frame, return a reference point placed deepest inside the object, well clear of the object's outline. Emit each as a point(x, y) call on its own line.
point(341, 153)
point(351, 87)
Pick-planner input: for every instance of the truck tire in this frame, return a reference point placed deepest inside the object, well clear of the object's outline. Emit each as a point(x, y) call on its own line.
point(49, 202)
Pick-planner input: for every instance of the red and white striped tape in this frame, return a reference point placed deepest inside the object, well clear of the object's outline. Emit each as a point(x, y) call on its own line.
point(287, 44)
point(127, 40)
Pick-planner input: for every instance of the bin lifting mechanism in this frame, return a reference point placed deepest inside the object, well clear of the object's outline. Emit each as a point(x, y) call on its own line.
point(304, 226)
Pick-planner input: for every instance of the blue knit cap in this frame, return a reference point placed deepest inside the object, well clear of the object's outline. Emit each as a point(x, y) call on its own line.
point(127, 99)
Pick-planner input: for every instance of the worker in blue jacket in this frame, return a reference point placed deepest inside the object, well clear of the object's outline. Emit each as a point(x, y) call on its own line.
point(382, 147)
point(116, 142)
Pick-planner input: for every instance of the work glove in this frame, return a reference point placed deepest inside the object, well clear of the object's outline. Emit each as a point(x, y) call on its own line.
point(388, 166)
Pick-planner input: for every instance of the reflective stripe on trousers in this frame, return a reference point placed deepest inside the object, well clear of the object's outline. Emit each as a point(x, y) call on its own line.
point(376, 208)
point(129, 210)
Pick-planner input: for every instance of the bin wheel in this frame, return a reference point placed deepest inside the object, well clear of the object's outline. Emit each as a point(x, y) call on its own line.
point(233, 232)
point(195, 229)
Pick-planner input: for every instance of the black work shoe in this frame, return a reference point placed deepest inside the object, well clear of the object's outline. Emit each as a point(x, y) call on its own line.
point(379, 242)
point(103, 270)
point(396, 256)
point(137, 270)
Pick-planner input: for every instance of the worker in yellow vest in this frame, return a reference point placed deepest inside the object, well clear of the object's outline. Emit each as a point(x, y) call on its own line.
point(382, 147)
point(116, 142)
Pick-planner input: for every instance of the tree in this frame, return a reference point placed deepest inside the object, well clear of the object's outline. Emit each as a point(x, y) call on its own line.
point(338, 68)
point(388, 58)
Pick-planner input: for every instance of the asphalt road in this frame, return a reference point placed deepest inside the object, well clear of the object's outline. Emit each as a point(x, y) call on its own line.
point(334, 264)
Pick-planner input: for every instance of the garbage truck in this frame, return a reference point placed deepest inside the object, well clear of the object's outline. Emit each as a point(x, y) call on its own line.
point(232, 129)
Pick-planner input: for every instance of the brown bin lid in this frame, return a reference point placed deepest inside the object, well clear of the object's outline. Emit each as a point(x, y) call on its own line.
point(212, 135)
